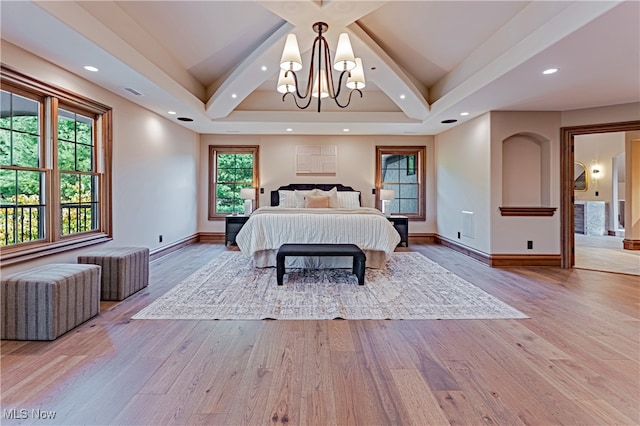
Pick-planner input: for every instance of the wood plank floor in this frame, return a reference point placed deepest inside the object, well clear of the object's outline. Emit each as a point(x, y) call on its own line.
point(575, 361)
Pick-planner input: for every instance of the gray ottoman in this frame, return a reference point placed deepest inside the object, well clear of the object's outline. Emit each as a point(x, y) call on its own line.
point(47, 301)
point(125, 270)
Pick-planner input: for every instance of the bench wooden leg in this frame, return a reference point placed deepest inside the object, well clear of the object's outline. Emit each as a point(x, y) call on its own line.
point(280, 268)
point(359, 268)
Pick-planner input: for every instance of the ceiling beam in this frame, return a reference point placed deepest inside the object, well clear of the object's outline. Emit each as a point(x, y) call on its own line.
point(247, 76)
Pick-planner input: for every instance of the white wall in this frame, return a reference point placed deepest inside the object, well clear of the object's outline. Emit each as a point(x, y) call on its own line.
point(522, 179)
point(355, 167)
point(464, 181)
point(509, 234)
point(597, 151)
point(155, 164)
point(469, 178)
point(600, 115)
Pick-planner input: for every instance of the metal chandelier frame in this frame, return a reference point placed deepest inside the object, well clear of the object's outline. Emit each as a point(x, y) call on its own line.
point(324, 83)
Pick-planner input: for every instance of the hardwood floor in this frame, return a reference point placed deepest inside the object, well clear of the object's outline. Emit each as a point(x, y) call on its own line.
point(605, 253)
point(575, 361)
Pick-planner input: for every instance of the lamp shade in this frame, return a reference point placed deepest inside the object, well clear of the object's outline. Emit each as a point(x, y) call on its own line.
point(247, 193)
point(356, 79)
point(387, 194)
point(344, 60)
point(324, 87)
point(286, 83)
point(291, 59)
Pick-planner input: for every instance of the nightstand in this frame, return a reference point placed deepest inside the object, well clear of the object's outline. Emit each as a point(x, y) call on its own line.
point(232, 226)
point(401, 223)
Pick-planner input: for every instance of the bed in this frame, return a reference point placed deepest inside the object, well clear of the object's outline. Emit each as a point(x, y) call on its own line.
point(317, 213)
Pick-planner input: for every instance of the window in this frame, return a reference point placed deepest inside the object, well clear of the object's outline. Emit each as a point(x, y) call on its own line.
point(53, 184)
point(79, 200)
point(231, 168)
point(402, 169)
point(22, 211)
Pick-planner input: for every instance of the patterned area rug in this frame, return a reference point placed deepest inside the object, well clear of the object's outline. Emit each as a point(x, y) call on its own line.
point(412, 287)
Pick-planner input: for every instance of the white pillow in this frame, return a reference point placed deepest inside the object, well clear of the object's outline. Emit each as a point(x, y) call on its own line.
point(332, 194)
point(348, 199)
point(287, 198)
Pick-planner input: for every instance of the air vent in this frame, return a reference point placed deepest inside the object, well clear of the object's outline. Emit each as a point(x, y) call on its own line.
point(133, 91)
point(185, 119)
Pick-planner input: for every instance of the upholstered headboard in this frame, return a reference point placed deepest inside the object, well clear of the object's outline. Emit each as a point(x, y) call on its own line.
point(275, 197)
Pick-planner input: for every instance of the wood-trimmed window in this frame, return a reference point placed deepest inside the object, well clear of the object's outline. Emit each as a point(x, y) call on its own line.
point(231, 168)
point(402, 169)
point(55, 164)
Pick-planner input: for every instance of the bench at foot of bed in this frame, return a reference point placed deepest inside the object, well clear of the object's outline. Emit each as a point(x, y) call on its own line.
point(338, 250)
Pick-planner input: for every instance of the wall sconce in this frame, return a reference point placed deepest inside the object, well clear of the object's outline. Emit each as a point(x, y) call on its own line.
point(595, 172)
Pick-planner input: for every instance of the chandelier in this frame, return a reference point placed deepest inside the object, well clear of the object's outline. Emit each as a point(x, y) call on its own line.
point(320, 83)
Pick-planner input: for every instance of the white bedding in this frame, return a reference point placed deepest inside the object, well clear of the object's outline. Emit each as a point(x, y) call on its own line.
point(269, 227)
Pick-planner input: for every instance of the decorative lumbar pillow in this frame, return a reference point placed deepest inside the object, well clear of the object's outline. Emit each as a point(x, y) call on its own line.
point(332, 194)
point(316, 202)
point(301, 195)
point(349, 199)
point(287, 198)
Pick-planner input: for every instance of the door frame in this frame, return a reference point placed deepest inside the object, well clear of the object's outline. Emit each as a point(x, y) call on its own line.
point(567, 225)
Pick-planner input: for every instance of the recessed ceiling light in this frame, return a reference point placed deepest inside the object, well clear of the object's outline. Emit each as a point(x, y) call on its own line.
point(550, 71)
point(464, 114)
point(90, 68)
point(233, 95)
point(171, 112)
point(402, 96)
point(449, 121)
point(345, 130)
point(289, 129)
point(263, 68)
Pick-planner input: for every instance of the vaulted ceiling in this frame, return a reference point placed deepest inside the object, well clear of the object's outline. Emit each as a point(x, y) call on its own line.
point(217, 62)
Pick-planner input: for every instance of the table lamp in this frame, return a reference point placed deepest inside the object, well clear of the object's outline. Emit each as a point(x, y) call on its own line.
point(248, 194)
point(386, 195)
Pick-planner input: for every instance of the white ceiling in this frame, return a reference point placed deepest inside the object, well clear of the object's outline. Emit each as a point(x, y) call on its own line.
point(204, 59)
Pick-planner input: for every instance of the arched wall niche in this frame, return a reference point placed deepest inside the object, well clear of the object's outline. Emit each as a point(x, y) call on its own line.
point(526, 175)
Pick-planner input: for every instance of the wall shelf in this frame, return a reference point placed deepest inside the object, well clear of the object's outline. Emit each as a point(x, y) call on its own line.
point(527, 211)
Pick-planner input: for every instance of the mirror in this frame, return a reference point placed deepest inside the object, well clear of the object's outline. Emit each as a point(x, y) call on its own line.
point(580, 177)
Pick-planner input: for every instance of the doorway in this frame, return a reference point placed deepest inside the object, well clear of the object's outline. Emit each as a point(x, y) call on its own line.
point(567, 160)
point(599, 191)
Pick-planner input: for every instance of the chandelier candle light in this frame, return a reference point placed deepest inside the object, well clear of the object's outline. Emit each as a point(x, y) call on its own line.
point(320, 83)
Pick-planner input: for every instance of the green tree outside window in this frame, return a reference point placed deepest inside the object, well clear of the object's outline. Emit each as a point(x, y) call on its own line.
point(232, 168)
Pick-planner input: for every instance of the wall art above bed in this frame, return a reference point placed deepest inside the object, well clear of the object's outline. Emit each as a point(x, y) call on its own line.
point(316, 160)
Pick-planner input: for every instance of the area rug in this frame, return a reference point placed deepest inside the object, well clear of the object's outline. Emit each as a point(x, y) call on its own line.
point(411, 287)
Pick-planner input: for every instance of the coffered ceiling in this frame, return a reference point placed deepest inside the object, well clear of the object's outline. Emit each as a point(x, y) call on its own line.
point(425, 61)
